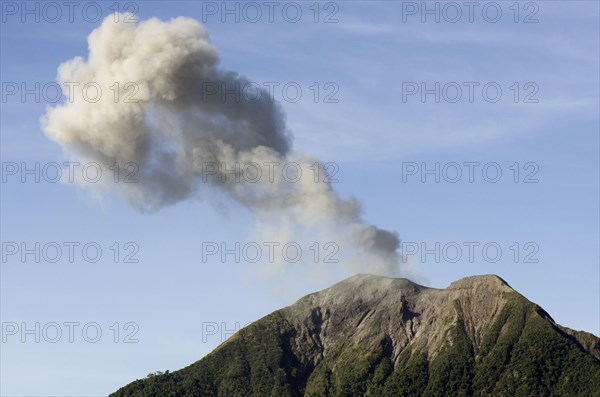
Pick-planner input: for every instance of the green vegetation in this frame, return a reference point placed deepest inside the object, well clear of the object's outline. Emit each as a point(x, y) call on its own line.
point(522, 354)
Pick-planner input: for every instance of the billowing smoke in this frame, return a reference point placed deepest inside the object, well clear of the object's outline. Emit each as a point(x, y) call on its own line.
point(161, 114)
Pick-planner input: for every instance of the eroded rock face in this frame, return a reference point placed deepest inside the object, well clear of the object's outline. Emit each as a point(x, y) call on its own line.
point(378, 336)
point(366, 307)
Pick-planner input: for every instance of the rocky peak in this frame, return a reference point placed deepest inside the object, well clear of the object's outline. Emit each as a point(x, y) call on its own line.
point(372, 335)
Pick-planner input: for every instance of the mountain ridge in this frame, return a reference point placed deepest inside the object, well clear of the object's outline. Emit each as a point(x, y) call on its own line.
point(372, 335)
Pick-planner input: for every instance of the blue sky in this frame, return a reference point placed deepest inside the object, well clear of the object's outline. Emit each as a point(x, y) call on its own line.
point(368, 55)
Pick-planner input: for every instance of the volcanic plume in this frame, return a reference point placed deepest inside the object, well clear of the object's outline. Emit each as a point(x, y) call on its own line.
point(158, 111)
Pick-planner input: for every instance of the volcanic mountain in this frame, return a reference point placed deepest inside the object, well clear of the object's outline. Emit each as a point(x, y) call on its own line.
point(379, 336)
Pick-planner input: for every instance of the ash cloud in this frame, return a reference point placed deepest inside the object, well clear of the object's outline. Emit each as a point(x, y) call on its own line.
point(172, 128)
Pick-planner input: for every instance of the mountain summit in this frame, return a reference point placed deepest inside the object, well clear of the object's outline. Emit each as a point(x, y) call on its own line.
point(379, 336)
